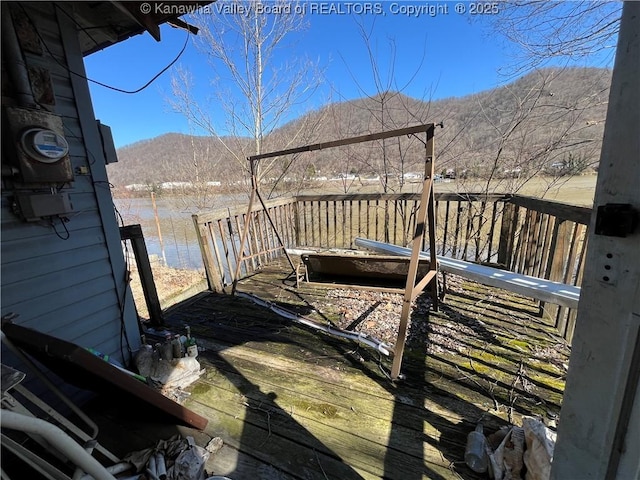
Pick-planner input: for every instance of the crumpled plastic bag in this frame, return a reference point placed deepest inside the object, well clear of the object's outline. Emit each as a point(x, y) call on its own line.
point(506, 462)
point(540, 445)
point(171, 448)
point(184, 459)
point(189, 465)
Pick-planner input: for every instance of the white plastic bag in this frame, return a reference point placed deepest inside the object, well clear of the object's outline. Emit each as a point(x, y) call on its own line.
point(190, 464)
point(540, 445)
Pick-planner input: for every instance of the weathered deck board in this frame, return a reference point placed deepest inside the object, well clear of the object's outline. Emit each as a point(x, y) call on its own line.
point(294, 403)
point(314, 400)
point(369, 399)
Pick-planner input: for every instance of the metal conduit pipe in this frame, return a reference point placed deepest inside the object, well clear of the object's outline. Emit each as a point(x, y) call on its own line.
point(363, 338)
point(14, 61)
point(63, 442)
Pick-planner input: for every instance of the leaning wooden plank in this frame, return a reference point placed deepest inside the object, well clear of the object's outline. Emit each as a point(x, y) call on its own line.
point(83, 369)
point(545, 290)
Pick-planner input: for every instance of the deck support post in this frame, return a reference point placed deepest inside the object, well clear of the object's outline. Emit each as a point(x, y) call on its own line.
point(134, 234)
point(600, 417)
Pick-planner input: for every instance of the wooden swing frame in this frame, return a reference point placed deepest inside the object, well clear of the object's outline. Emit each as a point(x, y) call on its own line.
point(425, 221)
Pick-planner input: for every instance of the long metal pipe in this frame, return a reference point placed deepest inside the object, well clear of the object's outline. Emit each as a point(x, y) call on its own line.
point(363, 338)
point(56, 437)
point(14, 61)
point(540, 288)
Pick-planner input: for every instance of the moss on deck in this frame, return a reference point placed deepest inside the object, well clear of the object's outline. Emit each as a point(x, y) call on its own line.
point(297, 403)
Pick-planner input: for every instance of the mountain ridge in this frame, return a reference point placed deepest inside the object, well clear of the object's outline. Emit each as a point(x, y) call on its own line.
point(545, 117)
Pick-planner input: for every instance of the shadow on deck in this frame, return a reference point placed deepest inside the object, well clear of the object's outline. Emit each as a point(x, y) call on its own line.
point(291, 402)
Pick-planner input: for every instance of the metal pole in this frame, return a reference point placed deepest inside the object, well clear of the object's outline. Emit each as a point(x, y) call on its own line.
point(157, 219)
point(410, 289)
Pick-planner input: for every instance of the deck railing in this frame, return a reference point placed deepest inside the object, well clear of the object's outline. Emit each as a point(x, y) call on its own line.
point(526, 235)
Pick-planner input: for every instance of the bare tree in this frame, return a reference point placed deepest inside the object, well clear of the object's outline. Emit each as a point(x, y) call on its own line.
point(255, 92)
point(533, 129)
point(388, 108)
point(547, 31)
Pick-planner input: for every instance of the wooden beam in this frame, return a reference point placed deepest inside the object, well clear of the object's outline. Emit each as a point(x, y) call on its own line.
point(600, 419)
point(213, 277)
point(134, 234)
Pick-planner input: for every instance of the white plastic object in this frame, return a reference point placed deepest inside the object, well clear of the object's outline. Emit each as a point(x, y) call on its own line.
point(60, 440)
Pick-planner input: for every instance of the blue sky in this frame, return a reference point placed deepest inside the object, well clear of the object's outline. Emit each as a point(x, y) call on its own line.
point(461, 56)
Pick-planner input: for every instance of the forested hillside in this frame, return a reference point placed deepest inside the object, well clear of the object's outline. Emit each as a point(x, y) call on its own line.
point(549, 121)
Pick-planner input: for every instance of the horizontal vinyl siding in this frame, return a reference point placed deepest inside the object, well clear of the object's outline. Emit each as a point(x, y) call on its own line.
point(67, 284)
point(66, 288)
point(45, 243)
point(19, 271)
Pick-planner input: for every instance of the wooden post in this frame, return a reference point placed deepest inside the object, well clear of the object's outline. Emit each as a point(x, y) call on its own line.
point(555, 266)
point(507, 234)
point(157, 219)
point(134, 234)
point(213, 277)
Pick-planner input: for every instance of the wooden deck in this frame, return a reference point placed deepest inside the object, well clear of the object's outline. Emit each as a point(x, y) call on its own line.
point(291, 402)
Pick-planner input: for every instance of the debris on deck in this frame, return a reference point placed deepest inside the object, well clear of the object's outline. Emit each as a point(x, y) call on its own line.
point(329, 329)
point(298, 404)
point(369, 266)
point(510, 451)
point(81, 368)
point(170, 364)
point(174, 459)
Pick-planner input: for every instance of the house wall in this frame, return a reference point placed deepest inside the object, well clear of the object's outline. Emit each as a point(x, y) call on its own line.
point(73, 288)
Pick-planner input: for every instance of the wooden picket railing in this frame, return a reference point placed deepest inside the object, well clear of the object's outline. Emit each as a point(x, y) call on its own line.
point(219, 238)
point(526, 235)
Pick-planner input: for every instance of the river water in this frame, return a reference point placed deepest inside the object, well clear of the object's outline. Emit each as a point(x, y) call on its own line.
point(179, 247)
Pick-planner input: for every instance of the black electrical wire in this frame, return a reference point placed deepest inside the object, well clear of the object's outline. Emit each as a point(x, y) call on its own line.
point(153, 79)
point(58, 234)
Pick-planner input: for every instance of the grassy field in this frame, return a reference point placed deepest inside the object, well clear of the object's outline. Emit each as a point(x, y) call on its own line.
point(573, 190)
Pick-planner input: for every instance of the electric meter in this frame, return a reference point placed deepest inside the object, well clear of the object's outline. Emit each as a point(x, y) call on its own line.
point(44, 145)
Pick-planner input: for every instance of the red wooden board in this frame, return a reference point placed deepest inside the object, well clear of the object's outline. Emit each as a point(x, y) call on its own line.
point(83, 369)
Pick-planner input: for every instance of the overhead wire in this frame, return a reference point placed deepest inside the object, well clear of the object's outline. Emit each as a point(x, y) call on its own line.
point(81, 75)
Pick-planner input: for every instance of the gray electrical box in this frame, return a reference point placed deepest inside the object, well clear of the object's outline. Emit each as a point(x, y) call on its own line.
point(108, 147)
point(35, 206)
